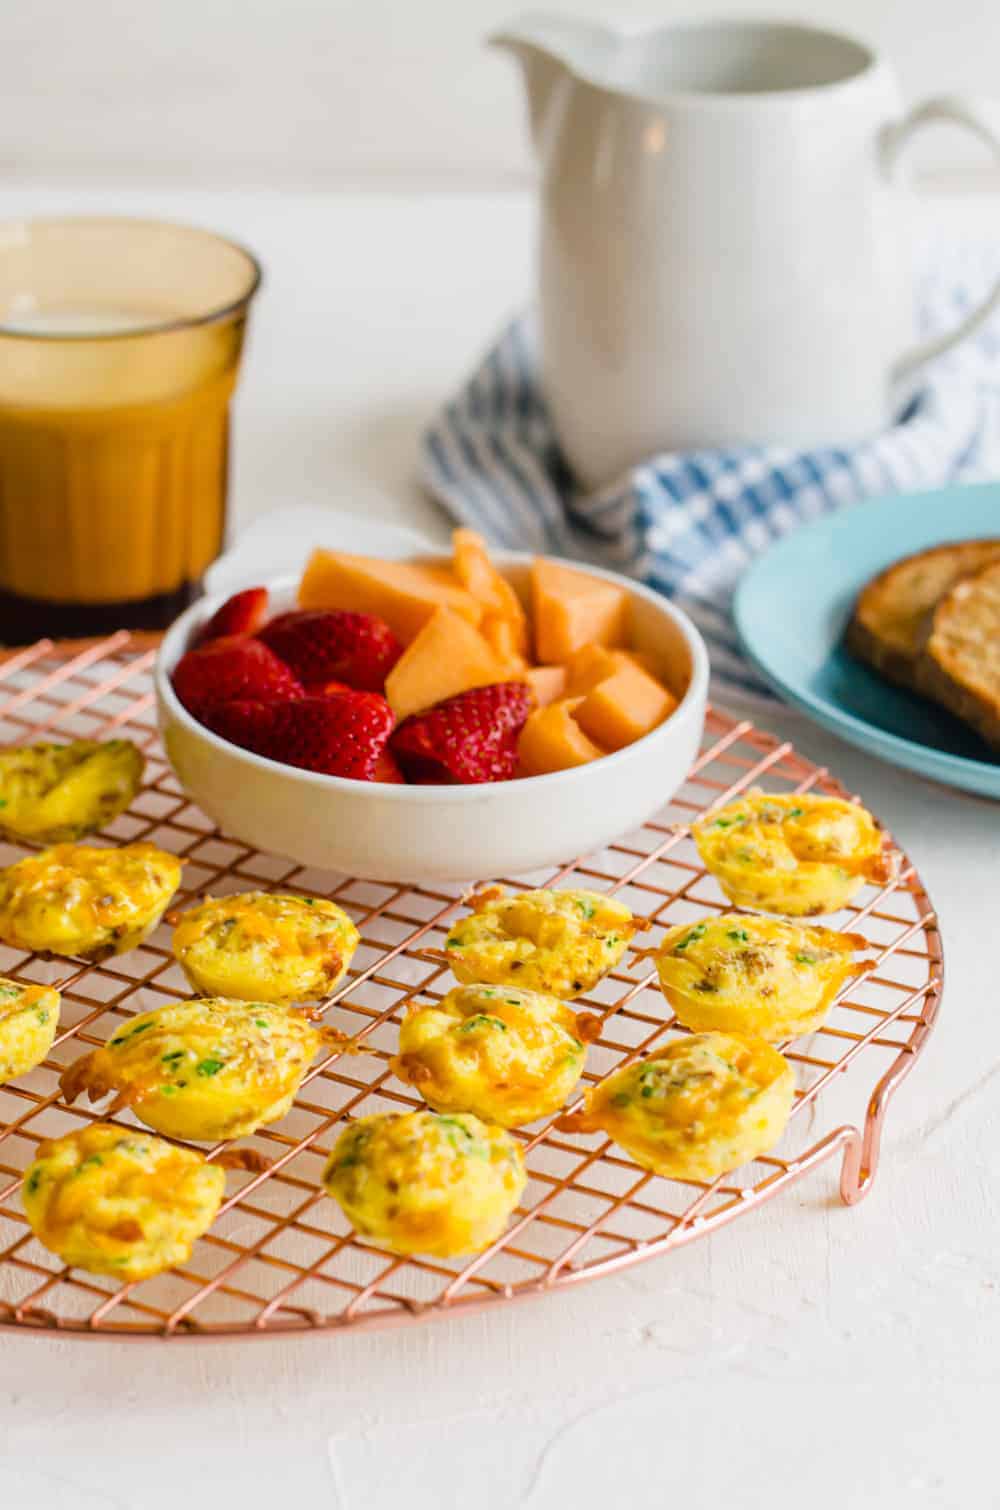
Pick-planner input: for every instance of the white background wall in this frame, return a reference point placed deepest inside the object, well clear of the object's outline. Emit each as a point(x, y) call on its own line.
point(352, 92)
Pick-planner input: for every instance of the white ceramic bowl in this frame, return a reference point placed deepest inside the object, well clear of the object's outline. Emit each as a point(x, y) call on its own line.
point(455, 833)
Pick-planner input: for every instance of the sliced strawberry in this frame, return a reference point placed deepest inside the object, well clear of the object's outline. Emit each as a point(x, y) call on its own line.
point(243, 613)
point(243, 722)
point(230, 668)
point(322, 646)
point(387, 770)
point(343, 734)
point(468, 738)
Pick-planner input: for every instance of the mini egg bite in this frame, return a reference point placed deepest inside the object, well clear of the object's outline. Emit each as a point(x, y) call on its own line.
point(794, 854)
point(29, 1018)
point(558, 942)
point(506, 1055)
point(697, 1108)
point(739, 973)
point(85, 902)
point(205, 1069)
point(419, 1182)
point(117, 1202)
point(50, 793)
point(266, 946)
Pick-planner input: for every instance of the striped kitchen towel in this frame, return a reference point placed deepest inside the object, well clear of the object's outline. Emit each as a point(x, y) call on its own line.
point(689, 523)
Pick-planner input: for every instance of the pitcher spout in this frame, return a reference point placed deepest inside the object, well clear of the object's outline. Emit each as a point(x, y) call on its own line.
point(553, 50)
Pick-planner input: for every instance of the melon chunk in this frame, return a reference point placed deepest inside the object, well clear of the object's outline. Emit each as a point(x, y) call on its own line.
point(477, 574)
point(572, 610)
point(402, 594)
point(552, 740)
point(591, 665)
point(505, 641)
point(624, 707)
point(448, 656)
point(547, 683)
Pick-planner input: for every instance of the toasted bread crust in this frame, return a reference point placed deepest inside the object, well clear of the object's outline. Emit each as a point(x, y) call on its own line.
point(960, 659)
point(889, 624)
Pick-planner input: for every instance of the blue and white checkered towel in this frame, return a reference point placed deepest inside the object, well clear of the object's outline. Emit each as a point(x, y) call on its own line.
point(689, 523)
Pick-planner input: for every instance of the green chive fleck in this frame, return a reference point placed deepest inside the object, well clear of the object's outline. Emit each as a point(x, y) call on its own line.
point(696, 933)
point(739, 935)
point(806, 958)
point(621, 1099)
point(210, 1067)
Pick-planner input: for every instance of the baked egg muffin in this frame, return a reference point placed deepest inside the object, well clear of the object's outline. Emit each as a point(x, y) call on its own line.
point(506, 1055)
point(81, 901)
point(50, 793)
point(29, 1017)
point(800, 855)
point(743, 974)
point(266, 946)
point(117, 1202)
point(203, 1070)
point(559, 942)
point(419, 1182)
point(697, 1108)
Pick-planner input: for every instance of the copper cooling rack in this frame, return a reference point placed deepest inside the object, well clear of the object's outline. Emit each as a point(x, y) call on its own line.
point(281, 1258)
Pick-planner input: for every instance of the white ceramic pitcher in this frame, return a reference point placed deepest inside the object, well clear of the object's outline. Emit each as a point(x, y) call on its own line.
point(725, 251)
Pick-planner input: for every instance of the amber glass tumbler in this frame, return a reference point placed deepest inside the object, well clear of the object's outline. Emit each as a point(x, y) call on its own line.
point(120, 343)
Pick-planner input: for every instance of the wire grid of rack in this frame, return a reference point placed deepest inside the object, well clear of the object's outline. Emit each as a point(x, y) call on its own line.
point(281, 1257)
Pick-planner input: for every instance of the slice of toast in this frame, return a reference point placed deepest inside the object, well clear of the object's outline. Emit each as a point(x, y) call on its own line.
point(889, 622)
point(960, 663)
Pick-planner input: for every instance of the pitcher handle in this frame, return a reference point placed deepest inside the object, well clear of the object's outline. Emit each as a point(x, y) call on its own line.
point(955, 111)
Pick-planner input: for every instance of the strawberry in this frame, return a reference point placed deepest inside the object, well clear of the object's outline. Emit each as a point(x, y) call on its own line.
point(243, 613)
point(321, 646)
point(343, 734)
point(229, 668)
point(243, 722)
point(386, 769)
point(468, 738)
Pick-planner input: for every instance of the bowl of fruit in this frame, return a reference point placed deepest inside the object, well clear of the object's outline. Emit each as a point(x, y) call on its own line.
point(439, 717)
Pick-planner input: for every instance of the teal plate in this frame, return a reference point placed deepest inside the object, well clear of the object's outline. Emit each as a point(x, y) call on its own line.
point(793, 605)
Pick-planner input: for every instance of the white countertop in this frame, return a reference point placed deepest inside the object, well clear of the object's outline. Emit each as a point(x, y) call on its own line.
point(810, 1353)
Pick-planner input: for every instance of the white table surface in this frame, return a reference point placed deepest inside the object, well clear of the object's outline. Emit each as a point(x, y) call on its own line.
point(841, 1358)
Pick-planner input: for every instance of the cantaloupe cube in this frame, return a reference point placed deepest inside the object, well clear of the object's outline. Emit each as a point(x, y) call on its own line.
point(448, 656)
point(647, 662)
point(476, 573)
point(572, 610)
point(591, 665)
point(624, 707)
point(402, 594)
point(547, 683)
point(504, 640)
point(552, 740)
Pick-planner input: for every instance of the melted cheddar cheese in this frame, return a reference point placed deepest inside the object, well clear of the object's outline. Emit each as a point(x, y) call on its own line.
point(798, 855)
point(118, 1202)
point(204, 1069)
point(559, 942)
point(506, 1055)
point(77, 900)
point(419, 1182)
point(697, 1108)
point(266, 946)
point(737, 973)
point(29, 1017)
